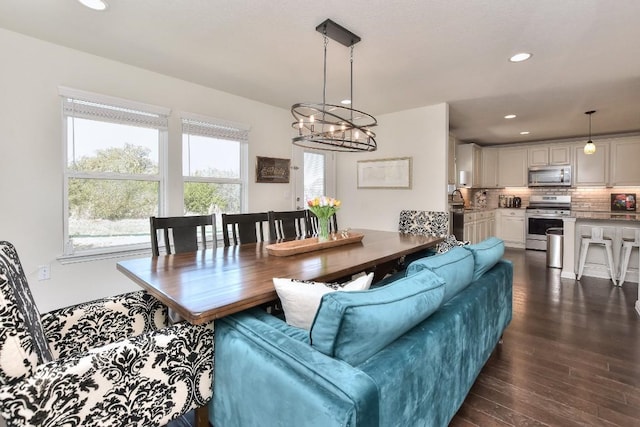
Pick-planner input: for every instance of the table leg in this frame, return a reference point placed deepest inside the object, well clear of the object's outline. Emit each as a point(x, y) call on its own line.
point(383, 269)
point(202, 416)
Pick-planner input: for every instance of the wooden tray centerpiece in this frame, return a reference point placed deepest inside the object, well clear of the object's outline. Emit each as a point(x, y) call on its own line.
point(294, 247)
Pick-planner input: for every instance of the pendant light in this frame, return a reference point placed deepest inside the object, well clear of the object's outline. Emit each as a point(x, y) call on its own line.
point(328, 126)
point(590, 147)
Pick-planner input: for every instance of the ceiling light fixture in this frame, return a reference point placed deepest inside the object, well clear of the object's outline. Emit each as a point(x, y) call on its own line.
point(510, 116)
point(590, 147)
point(519, 57)
point(525, 132)
point(98, 5)
point(328, 126)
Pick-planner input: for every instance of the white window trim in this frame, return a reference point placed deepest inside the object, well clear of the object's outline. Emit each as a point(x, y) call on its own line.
point(243, 179)
point(69, 255)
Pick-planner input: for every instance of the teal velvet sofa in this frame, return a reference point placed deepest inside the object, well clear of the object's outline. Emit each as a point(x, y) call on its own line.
point(402, 354)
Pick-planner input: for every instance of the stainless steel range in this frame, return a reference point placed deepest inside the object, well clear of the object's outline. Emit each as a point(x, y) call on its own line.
point(544, 212)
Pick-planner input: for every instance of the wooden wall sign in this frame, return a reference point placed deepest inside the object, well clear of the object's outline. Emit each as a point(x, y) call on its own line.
point(270, 169)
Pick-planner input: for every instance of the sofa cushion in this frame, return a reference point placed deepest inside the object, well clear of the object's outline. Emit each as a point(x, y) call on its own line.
point(353, 326)
point(18, 287)
point(455, 266)
point(300, 298)
point(485, 255)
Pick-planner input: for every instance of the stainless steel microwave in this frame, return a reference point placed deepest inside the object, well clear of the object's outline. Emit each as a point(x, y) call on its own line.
point(550, 176)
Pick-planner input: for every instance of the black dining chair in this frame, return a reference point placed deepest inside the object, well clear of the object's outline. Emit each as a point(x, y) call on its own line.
point(312, 223)
point(288, 225)
point(181, 233)
point(238, 229)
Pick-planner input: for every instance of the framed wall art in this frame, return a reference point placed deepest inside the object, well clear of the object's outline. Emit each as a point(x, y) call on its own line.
point(270, 169)
point(385, 173)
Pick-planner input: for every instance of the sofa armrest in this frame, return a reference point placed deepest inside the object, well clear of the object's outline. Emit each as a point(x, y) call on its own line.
point(147, 380)
point(78, 328)
point(263, 374)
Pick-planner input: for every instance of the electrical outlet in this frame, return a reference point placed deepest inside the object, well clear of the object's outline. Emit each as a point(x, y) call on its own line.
point(44, 272)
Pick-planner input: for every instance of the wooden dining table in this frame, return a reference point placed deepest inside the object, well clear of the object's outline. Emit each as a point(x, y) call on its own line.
point(212, 283)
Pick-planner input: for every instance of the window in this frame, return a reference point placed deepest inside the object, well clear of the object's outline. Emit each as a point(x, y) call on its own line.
point(214, 167)
point(113, 172)
point(314, 182)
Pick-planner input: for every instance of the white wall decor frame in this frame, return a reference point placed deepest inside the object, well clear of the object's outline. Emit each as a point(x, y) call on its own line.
point(392, 173)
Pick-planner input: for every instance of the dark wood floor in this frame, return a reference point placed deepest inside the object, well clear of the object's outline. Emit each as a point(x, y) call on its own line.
point(571, 356)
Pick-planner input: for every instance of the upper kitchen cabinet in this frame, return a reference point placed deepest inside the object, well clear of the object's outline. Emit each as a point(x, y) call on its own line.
point(468, 160)
point(512, 170)
point(625, 154)
point(591, 169)
point(546, 155)
point(489, 167)
point(451, 161)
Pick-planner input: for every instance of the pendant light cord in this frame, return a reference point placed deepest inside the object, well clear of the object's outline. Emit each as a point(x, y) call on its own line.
point(324, 82)
point(351, 82)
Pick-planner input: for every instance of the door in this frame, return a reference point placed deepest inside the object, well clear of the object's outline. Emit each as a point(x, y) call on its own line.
point(314, 175)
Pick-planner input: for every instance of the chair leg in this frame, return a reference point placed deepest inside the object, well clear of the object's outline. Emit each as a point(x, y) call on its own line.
point(202, 416)
point(607, 246)
point(584, 247)
point(625, 256)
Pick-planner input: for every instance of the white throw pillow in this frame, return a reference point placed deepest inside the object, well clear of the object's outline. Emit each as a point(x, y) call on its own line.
point(300, 298)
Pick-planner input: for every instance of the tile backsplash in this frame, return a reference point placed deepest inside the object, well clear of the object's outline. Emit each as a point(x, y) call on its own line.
point(582, 199)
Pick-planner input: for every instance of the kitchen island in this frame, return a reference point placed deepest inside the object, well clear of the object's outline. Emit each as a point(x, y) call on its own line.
point(616, 226)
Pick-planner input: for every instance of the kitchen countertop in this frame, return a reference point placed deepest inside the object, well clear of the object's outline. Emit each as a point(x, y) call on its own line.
point(486, 209)
point(609, 216)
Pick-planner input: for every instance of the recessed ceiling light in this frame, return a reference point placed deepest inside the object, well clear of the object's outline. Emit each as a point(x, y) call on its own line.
point(519, 57)
point(95, 4)
point(525, 132)
point(345, 102)
point(510, 116)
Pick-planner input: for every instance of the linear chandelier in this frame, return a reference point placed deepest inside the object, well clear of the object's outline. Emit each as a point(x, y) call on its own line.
point(334, 127)
point(590, 147)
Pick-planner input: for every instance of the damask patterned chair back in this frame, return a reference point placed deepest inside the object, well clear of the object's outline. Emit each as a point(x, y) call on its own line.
point(22, 339)
point(425, 223)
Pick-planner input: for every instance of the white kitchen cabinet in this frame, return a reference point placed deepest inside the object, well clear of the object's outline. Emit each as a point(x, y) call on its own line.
point(468, 159)
point(625, 155)
point(546, 155)
point(539, 156)
point(485, 225)
point(560, 155)
point(511, 227)
point(451, 161)
point(489, 168)
point(479, 225)
point(591, 169)
point(469, 230)
point(512, 167)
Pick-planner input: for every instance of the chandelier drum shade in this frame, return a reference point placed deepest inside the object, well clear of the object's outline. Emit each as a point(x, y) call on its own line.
point(328, 126)
point(589, 147)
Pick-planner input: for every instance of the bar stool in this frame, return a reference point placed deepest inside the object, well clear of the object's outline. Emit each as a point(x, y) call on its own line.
point(597, 238)
point(627, 246)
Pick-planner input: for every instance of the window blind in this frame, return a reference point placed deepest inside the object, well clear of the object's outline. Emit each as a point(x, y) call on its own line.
point(215, 130)
point(86, 109)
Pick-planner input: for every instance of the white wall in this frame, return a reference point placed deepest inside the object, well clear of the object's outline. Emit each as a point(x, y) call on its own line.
point(31, 157)
point(421, 134)
point(31, 153)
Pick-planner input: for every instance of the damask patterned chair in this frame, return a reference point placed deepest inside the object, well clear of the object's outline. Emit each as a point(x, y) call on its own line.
point(424, 223)
point(427, 223)
point(111, 362)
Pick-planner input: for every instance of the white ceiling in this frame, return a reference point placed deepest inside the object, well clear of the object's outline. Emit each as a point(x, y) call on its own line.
point(586, 55)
